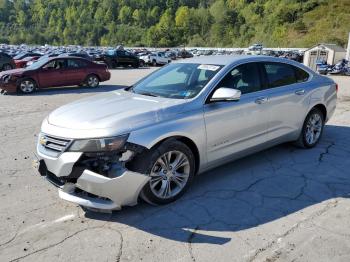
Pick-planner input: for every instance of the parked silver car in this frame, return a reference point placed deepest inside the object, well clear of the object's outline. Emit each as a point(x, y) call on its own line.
point(151, 139)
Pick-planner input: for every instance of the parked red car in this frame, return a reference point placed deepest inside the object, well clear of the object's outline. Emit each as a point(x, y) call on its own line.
point(23, 62)
point(54, 72)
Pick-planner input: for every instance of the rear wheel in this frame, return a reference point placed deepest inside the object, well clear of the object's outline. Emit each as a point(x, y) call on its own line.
point(171, 167)
point(312, 129)
point(154, 63)
point(7, 67)
point(92, 81)
point(26, 86)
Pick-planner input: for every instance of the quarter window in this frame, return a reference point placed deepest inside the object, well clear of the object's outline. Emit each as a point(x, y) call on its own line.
point(279, 74)
point(245, 78)
point(301, 75)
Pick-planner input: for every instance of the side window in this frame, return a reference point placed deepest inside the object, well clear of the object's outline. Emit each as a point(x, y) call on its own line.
point(72, 63)
point(301, 75)
point(245, 78)
point(55, 64)
point(279, 74)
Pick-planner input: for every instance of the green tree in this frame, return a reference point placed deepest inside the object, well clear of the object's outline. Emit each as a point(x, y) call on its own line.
point(125, 15)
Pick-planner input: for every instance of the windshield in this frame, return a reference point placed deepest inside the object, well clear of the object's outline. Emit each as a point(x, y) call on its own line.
point(39, 63)
point(179, 80)
point(110, 52)
point(19, 56)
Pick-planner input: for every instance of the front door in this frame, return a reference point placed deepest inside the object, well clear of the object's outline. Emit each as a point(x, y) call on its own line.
point(52, 73)
point(237, 126)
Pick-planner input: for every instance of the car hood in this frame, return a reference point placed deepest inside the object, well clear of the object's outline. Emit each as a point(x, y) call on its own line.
point(16, 72)
point(119, 111)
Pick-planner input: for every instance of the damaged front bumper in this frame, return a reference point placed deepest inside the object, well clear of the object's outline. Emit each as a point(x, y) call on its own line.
point(7, 88)
point(88, 188)
point(99, 192)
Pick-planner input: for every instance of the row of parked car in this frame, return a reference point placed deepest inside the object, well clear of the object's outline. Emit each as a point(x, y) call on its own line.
point(342, 67)
point(21, 56)
point(42, 67)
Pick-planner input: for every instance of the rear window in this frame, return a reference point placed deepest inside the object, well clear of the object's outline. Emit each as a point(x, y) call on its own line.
point(279, 74)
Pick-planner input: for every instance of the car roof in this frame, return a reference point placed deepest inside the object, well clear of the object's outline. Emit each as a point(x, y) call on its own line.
point(230, 59)
point(65, 57)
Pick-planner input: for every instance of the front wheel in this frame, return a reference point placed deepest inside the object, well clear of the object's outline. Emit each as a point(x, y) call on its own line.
point(26, 86)
point(171, 167)
point(312, 129)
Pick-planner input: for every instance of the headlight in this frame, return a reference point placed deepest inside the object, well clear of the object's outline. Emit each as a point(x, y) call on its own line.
point(6, 78)
point(98, 144)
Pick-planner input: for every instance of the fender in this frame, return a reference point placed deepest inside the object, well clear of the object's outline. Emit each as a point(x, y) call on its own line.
point(182, 126)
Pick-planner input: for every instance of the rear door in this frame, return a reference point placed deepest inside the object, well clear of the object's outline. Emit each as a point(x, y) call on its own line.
point(75, 72)
point(121, 57)
point(286, 88)
point(161, 58)
point(236, 126)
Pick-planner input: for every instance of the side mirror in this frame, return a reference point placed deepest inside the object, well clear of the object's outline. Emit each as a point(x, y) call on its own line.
point(226, 94)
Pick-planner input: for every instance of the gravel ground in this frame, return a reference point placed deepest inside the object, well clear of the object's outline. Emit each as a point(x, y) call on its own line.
point(282, 204)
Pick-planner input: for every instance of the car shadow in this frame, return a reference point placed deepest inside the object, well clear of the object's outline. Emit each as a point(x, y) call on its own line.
point(249, 192)
point(73, 90)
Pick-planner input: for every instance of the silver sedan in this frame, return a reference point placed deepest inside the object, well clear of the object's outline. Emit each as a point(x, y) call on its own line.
point(151, 139)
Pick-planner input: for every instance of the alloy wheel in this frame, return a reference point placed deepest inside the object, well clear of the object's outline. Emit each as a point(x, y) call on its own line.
point(93, 81)
point(169, 174)
point(27, 86)
point(313, 128)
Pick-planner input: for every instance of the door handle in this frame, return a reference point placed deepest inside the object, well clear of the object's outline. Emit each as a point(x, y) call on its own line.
point(261, 100)
point(300, 92)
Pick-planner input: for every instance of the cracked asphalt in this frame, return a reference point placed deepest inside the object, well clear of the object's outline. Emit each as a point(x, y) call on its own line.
point(282, 204)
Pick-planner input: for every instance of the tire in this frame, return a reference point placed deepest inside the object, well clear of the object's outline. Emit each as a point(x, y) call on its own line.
point(92, 81)
point(314, 121)
point(26, 86)
point(6, 67)
point(156, 191)
point(136, 65)
point(154, 63)
point(141, 63)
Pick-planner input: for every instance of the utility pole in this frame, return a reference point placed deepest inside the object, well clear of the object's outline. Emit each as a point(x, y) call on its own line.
point(348, 50)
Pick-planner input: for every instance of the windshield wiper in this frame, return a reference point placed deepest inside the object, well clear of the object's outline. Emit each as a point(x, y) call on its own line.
point(147, 94)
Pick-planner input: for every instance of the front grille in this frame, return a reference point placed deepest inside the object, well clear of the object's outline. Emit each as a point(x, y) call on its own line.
point(55, 144)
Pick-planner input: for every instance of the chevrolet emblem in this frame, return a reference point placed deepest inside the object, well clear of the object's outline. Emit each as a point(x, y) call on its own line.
point(43, 141)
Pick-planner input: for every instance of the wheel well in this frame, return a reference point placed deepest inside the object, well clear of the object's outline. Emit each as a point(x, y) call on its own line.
point(323, 109)
point(29, 78)
point(99, 79)
point(188, 142)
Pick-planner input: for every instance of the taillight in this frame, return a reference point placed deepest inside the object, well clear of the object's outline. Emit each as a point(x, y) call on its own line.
point(336, 87)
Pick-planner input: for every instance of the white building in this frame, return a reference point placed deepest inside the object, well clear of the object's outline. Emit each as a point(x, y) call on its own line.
point(331, 53)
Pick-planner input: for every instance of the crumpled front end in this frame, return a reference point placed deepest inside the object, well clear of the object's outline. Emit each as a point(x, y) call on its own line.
point(98, 181)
